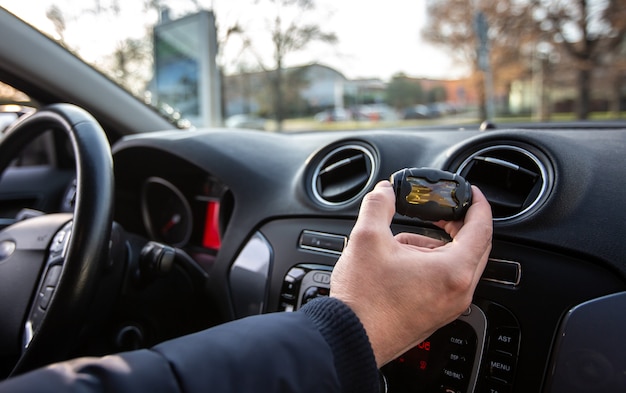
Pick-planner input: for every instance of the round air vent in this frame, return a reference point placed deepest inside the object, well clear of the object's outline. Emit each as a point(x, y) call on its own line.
point(513, 179)
point(343, 175)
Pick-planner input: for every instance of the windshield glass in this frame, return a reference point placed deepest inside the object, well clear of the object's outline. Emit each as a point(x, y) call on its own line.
point(295, 65)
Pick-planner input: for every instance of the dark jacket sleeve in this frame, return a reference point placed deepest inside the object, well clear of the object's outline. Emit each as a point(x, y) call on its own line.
point(323, 347)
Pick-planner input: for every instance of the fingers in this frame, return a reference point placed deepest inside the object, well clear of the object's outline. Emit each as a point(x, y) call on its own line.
point(419, 240)
point(477, 228)
point(378, 208)
point(479, 213)
point(473, 236)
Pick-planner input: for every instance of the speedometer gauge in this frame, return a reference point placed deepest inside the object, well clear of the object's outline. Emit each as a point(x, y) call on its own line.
point(166, 212)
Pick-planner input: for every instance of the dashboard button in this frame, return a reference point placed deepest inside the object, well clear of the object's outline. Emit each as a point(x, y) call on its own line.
point(459, 342)
point(453, 374)
point(288, 296)
point(314, 292)
point(501, 366)
point(322, 277)
point(289, 287)
point(457, 357)
point(494, 386)
point(295, 274)
point(502, 272)
point(323, 241)
point(505, 339)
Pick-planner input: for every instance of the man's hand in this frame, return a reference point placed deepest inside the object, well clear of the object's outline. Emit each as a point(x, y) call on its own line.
point(405, 287)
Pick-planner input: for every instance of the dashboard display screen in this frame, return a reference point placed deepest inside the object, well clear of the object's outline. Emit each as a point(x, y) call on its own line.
point(442, 363)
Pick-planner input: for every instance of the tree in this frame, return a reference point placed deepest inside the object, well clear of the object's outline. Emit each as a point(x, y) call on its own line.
point(403, 92)
point(589, 31)
point(130, 54)
point(451, 25)
point(295, 80)
point(55, 15)
point(437, 94)
point(287, 35)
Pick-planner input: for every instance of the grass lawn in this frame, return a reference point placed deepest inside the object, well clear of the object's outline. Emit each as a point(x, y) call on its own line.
point(308, 123)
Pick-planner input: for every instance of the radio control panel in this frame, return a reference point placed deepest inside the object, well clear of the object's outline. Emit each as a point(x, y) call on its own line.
point(475, 353)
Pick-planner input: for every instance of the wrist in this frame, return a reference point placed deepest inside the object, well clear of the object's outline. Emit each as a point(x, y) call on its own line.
point(343, 331)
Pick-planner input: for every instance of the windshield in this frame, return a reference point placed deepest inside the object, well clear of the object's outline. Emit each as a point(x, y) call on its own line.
point(295, 65)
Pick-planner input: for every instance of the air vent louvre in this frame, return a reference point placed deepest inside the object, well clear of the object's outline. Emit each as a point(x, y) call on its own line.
point(343, 175)
point(512, 178)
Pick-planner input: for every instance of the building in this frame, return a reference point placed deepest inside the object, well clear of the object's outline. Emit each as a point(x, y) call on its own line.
point(312, 86)
point(315, 87)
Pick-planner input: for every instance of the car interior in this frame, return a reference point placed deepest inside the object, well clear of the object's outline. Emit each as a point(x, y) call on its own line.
point(119, 231)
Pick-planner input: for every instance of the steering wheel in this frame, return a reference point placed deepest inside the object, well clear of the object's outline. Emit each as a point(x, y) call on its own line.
point(50, 265)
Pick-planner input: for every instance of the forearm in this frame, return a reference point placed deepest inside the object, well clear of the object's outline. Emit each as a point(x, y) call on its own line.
point(321, 348)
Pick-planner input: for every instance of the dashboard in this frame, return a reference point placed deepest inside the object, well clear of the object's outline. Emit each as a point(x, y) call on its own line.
point(266, 216)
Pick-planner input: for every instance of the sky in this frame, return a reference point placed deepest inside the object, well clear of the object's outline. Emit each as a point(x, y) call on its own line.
point(375, 39)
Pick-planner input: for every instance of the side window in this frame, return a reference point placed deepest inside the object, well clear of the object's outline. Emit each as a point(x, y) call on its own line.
point(13, 105)
point(6, 118)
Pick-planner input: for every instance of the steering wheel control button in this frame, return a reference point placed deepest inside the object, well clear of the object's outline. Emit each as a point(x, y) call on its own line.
point(57, 242)
point(41, 303)
point(45, 296)
point(324, 242)
point(53, 275)
point(48, 286)
point(60, 241)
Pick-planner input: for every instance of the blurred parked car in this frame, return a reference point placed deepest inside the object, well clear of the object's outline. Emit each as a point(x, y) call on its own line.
point(416, 112)
point(246, 121)
point(333, 114)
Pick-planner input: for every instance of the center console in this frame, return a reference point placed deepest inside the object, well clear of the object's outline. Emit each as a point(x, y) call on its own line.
point(503, 344)
point(448, 361)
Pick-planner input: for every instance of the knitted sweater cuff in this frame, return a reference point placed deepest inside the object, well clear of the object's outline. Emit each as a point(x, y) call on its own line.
point(341, 328)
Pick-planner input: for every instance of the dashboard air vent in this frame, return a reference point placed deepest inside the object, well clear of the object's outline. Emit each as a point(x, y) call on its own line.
point(512, 178)
point(343, 175)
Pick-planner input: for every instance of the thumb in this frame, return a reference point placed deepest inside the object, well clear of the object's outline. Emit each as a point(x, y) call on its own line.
point(378, 207)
